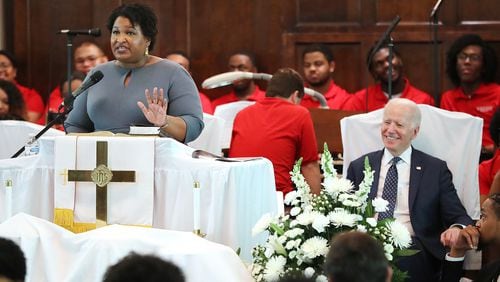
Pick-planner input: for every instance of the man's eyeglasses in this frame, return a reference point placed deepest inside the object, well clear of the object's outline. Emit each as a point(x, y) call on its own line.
point(472, 57)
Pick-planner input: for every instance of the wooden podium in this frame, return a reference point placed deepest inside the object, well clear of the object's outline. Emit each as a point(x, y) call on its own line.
point(327, 127)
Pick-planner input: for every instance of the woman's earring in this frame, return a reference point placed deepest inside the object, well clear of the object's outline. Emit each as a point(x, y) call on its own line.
point(146, 52)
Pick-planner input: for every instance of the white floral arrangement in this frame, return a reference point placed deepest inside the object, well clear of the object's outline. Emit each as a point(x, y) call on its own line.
point(299, 242)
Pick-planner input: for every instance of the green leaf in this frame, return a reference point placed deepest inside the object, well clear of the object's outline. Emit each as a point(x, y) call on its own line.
point(369, 211)
point(406, 252)
point(277, 229)
point(368, 168)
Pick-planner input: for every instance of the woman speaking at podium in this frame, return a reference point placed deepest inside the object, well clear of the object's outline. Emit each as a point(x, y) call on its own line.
point(138, 88)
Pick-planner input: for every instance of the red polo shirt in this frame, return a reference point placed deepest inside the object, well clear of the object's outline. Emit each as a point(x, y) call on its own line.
point(482, 103)
point(335, 96)
point(278, 130)
point(487, 171)
point(377, 98)
point(257, 95)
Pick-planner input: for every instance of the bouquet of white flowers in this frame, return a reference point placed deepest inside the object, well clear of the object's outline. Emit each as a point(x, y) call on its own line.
point(298, 242)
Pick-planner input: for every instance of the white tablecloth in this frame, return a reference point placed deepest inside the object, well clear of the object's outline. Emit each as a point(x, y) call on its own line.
point(233, 196)
point(55, 254)
point(15, 133)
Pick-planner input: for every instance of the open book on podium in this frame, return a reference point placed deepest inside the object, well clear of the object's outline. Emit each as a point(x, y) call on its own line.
point(103, 180)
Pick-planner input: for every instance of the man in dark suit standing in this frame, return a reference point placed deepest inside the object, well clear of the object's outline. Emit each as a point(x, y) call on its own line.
point(418, 187)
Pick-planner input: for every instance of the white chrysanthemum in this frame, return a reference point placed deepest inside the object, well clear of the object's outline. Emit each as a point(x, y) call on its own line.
point(361, 228)
point(307, 217)
point(334, 185)
point(289, 197)
point(388, 248)
point(269, 251)
point(262, 224)
point(295, 211)
point(398, 235)
point(388, 256)
point(351, 203)
point(274, 268)
point(341, 217)
point(321, 278)
point(309, 272)
point(292, 233)
point(380, 205)
point(314, 247)
point(256, 269)
point(320, 222)
point(371, 221)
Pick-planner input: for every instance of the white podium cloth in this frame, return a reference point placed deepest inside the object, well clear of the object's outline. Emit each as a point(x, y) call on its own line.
point(228, 112)
point(55, 254)
point(15, 133)
point(233, 195)
point(128, 202)
point(451, 136)
point(209, 139)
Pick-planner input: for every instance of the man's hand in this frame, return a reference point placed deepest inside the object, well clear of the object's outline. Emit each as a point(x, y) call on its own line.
point(450, 236)
point(468, 238)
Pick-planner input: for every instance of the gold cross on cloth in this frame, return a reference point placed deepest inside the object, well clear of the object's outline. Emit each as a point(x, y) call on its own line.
point(101, 175)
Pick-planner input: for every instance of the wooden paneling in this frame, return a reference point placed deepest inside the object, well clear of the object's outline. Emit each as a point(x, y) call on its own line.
point(478, 11)
point(275, 30)
point(340, 12)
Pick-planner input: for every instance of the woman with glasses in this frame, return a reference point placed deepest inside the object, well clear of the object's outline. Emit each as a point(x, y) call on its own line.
point(471, 66)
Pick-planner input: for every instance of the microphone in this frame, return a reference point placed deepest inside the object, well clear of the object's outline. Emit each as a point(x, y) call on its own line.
point(93, 79)
point(436, 8)
point(96, 32)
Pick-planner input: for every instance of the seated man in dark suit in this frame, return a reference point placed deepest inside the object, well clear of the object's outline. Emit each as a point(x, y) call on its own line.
point(486, 231)
point(423, 196)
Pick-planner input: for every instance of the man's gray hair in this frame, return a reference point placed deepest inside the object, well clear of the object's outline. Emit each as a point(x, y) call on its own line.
point(416, 115)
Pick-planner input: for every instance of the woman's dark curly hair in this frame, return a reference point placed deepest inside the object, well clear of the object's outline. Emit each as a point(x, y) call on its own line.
point(489, 58)
point(140, 15)
point(17, 108)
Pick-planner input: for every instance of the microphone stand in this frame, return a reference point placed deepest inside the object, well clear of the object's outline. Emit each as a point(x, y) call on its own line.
point(61, 115)
point(435, 55)
point(390, 47)
point(69, 51)
point(59, 118)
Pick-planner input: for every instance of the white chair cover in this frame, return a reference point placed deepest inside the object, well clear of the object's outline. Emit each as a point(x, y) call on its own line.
point(454, 137)
point(209, 139)
point(228, 112)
